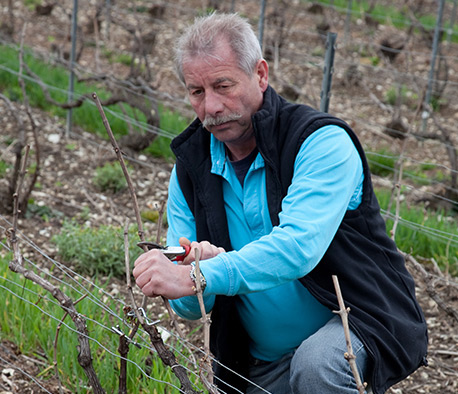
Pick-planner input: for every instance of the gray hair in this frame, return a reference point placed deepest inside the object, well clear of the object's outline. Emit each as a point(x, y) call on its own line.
point(200, 38)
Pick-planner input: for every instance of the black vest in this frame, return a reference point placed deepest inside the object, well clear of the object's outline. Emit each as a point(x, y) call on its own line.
point(372, 275)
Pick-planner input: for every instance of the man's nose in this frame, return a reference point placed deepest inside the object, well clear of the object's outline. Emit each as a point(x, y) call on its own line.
point(213, 103)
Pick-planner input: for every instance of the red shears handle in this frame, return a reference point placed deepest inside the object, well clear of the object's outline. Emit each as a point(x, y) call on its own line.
point(187, 249)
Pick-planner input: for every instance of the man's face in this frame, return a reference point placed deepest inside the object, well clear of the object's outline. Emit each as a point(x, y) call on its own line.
point(224, 97)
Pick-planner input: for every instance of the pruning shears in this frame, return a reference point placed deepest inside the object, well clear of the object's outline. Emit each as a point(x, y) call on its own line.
point(174, 253)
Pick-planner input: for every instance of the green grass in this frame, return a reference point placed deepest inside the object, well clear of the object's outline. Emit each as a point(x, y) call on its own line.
point(3, 167)
point(113, 57)
point(395, 15)
point(86, 116)
point(383, 163)
point(424, 232)
point(29, 318)
point(172, 123)
point(32, 3)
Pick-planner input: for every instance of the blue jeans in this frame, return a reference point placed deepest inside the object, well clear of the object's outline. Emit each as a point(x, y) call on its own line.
point(317, 366)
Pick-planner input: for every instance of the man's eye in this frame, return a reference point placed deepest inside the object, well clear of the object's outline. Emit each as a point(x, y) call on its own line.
point(196, 92)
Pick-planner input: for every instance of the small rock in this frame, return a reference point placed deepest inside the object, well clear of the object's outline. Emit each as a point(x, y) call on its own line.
point(54, 138)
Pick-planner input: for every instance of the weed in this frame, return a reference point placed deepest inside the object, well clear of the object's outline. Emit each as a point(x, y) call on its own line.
point(398, 95)
point(32, 3)
point(71, 147)
point(110, 178)
point(3, 167)
point(95, 251)
point(84, 215)
point(123, 58)
point(375, 61)
point(42, 211)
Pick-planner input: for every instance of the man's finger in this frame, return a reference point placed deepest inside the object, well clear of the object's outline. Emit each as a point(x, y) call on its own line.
point(184, 241)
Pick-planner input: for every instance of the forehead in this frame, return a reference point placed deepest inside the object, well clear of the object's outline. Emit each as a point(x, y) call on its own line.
point(221, 60)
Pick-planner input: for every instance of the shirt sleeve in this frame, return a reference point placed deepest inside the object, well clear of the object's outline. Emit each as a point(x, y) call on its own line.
point(327, 172)
point(181, 223)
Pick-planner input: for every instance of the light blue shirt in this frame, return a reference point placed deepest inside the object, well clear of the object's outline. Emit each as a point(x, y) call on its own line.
point(277, 311)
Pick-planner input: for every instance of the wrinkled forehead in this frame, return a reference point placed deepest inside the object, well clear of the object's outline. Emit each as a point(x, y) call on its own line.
point(216, 51)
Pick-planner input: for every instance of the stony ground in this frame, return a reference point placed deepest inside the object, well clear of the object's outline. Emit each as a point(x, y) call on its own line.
point(67, 169)
point(71, 169)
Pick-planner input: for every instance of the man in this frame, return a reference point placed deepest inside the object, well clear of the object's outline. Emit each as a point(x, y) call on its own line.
point(278, 198)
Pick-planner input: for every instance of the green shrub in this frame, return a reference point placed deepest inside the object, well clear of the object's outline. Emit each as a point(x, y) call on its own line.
point(110, 178)
point(96, 251)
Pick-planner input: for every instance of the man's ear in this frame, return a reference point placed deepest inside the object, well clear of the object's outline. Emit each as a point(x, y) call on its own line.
point(262, 73)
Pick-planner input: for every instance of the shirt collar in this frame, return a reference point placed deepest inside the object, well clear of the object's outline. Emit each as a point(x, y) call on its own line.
point(219, 158)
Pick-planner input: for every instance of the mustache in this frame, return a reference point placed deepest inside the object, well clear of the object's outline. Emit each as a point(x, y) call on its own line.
point(210, 121)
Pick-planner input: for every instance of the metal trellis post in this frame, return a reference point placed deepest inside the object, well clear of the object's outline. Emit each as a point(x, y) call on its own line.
point(437, 30)
point(452, 23)
point(108, 17)
point(72, 61)
point(261, 21)
point(347, 22)
point(328, 70)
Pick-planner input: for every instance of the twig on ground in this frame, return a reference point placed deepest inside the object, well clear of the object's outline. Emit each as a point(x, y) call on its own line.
point(349, 356)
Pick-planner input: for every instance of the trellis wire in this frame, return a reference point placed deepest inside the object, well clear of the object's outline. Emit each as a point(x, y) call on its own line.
point(444, 237)
point(452, 22)
point(261, 22)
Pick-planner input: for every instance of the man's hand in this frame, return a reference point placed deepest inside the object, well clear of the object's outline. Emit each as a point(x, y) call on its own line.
point(206, 249)
point(156, 275)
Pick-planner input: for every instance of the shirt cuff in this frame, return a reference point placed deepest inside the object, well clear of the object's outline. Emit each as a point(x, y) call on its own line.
point(219, 276)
